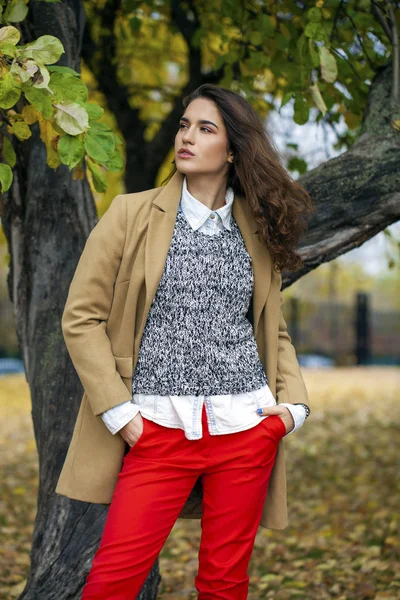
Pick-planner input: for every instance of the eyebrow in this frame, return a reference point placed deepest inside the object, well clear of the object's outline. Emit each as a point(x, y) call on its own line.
point(201, 121)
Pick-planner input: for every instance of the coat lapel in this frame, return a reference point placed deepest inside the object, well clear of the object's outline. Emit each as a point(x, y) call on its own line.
point(159, 234)
point(260, 256)
point(160, 230)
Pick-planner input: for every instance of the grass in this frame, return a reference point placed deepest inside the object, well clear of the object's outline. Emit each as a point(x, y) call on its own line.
point(343, 538)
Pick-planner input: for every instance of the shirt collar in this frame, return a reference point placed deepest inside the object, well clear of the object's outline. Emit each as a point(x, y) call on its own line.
point(197, 213)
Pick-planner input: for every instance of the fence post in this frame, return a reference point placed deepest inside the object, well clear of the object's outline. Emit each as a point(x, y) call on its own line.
point(362, 329)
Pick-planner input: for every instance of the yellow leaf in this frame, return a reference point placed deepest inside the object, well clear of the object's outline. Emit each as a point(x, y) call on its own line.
point(396, 124)
point(29, 114)
point(49, 136)
point(78, 173)
point(21, 130)
point(317, 97)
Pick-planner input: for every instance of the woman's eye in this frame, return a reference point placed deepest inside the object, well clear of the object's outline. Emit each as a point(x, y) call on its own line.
point(205, 128)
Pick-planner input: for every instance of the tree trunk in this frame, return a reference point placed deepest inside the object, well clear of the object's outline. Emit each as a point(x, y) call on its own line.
point(47, 217)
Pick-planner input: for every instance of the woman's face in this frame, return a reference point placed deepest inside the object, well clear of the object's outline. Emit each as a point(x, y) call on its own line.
point(202, 132)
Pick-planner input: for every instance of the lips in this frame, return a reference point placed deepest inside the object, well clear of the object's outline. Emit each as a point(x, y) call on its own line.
point(185, 153)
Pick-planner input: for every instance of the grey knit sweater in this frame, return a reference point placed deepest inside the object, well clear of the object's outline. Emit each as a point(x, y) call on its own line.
point(197, 339)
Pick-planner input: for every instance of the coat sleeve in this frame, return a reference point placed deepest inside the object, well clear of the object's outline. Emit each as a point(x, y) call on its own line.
point(88, 307)
point(290, 386)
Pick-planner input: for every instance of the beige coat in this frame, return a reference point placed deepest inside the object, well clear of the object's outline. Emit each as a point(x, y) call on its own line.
point(103, 320)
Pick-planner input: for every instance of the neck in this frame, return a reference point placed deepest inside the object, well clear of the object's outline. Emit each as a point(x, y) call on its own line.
point(208, 190)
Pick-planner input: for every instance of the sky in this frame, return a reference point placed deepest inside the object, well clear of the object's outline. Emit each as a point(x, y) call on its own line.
point(315, 145)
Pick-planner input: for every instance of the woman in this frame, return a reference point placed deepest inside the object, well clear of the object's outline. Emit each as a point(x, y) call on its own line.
point(205, 368)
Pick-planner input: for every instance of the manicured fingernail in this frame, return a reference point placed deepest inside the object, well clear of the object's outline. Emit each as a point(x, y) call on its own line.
point(260, 411)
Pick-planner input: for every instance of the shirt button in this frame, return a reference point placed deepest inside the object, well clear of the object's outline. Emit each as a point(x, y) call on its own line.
point(212, 216)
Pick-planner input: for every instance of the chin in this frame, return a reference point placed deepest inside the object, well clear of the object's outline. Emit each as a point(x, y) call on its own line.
point(185, 168)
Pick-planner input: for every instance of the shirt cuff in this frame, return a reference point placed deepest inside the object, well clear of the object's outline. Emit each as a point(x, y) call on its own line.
point(118, 416)
point(298, 413)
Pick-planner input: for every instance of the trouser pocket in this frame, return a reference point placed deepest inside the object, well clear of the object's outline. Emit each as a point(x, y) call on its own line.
point(276, 426)
point(140, 438)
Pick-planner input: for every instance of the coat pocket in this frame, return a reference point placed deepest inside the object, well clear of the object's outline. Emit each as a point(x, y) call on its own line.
point(124, 365)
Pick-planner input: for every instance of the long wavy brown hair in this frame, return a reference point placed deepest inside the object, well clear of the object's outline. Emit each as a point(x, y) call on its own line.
point(277, 203)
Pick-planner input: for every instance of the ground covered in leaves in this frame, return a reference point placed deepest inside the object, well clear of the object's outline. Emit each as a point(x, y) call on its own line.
point(343, 538)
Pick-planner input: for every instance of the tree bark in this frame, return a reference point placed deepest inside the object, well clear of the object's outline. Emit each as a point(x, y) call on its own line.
point(47, 217)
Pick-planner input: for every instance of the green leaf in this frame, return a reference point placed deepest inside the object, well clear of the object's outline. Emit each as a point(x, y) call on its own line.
point(10, 35)
point(39, 98)
point(255, 61)
point(265, 25)
point(135, 24)
point(315, 31)
point(314, 14)
point(99, 145)
point(21, 130)
point(9, 49)
point(219, 62)
point(10, 91)
point(231, 9)
point(93, 110)
point(71, 150)
point(301, 47)
point(116, 162)
point(9, 153)
point(281, 41)
point(197, 38)
point(311, 30)
point(65, 70)
point(16, 11)
point(286, 98)
point(328, 65)
point(301, 109)
point(129, 6)
point(6, 177)
point(99, 125)
point(47, 49)
point(99, 180)
point(231, 57)
point(256, 38)
point(313, 53)
point(71, 117)
point(68, 87)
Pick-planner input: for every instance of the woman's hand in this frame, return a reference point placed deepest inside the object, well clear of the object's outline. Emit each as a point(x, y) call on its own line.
point(283, 412)
point(132, 431)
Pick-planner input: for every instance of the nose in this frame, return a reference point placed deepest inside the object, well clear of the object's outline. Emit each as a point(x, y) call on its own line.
point(188, 135)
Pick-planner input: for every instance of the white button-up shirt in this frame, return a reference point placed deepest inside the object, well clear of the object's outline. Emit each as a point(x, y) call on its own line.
point(226, 413)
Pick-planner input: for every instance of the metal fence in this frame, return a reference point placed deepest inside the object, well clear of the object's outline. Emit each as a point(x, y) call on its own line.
point(349, 334)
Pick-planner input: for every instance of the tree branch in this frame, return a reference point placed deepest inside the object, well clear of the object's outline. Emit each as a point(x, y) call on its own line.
point(356, 194)
point(378, 13)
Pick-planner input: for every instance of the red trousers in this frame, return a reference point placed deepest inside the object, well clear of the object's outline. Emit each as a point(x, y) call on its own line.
point(156, 478)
